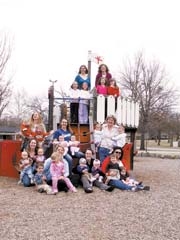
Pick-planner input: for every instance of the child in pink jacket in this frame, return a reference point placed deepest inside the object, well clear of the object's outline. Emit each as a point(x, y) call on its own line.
point(57, 172)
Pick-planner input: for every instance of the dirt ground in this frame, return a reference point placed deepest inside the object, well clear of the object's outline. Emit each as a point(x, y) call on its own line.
point(27, 214)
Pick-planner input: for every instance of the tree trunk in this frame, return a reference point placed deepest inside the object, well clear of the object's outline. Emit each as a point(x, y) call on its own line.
point(142, 145)
point(171, 141)
point(159, 137)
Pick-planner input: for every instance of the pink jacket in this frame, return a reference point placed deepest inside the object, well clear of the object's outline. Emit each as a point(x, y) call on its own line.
point(57, 169)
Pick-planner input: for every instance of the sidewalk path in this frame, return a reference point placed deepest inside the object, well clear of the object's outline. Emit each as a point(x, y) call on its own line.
point(160, 152)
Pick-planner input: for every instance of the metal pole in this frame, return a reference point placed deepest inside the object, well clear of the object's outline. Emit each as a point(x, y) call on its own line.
point(89, 63)
point(51, 105)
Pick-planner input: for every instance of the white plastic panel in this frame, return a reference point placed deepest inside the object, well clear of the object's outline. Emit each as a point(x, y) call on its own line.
point(119, 111)
point(132, 123)
point(110, 105)
point(128, 113)
point(100, 109)
point(124, 111)
point(136, 114)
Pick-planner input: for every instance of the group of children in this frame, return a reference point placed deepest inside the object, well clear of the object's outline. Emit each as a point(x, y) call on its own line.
point(114, 171)
point(79, 98)
point(35, 171)
point(72, 146)
point(79, 103)
point(105, 88)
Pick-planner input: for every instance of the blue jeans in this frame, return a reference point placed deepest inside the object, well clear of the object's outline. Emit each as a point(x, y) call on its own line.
point(26, 180)
point(26, 171)
point(79, 154)
point(69, 160)
point(119, 184)
point(103, 153)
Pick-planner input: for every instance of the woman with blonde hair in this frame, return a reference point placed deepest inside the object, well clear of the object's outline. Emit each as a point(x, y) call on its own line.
point(34, 128)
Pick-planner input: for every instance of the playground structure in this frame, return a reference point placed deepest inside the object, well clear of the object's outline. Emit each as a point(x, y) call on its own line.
point(125, 111)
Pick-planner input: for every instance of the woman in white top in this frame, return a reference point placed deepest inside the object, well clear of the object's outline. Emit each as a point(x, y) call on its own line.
point(109, 130)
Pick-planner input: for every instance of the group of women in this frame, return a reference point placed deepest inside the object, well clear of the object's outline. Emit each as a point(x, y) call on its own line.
point(34, 142)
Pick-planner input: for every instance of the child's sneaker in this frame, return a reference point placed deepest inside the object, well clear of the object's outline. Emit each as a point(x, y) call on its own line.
point(74, 190)
point(19, 182)
point(146, 188)
point(32, 181)
point(136, 189)
point(40, 190)
point(54, 192)
point(51, 193)
point(100, 179)
point(92, 179)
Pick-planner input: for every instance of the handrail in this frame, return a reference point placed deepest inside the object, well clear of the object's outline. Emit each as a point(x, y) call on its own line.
point(125, 110)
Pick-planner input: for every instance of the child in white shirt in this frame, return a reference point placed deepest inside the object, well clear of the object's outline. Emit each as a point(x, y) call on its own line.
point(120, 139)
point(97, 135)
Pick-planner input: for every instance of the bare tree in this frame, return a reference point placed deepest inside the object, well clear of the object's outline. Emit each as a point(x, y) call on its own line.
point(5, 81)
point(18, 108)
point(148, 84)
point(39, 104)
point(22, 106)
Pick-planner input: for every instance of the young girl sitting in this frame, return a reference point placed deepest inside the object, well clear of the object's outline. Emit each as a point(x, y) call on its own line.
point(57, 172)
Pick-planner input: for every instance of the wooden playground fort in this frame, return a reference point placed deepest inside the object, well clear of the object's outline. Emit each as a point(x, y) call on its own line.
point(125, 111)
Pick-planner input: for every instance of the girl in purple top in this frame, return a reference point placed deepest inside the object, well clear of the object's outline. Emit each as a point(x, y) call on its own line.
point(103, 71)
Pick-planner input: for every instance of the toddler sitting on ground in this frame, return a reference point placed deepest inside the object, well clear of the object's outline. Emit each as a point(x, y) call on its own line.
point(40, 180)
point(25, 167)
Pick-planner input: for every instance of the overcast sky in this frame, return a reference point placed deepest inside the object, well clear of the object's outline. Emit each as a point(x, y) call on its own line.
point(52, 37)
